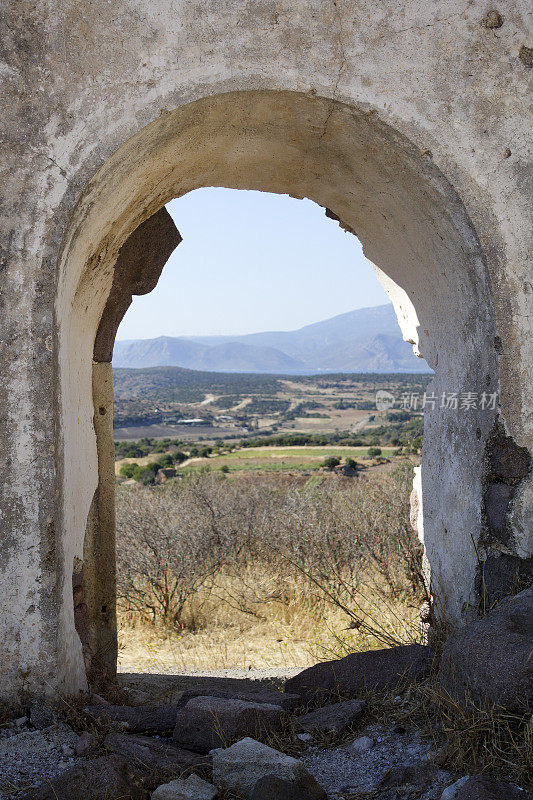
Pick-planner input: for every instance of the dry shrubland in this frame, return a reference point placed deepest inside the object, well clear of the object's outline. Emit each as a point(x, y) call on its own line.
point(219, 572)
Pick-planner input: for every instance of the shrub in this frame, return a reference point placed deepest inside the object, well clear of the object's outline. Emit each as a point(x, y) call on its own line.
point(164, 553)
point(128, 470)
point(165, 461)
point(374, 451)
point(146, 475)
point(331, 462)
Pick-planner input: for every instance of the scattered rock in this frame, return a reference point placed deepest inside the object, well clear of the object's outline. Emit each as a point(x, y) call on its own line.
point(450, 792)
point(490, 658)
point(525, 54)
point(98, 700)
point(194, 788)
point(272, 787)
point(144, 719)
point(482, 787)
point(493, 20)
point(162, 756)
point(374, 669)
point(361, 745)
point(86, 744)
point(399, 729)
point(28, 755)
point(207, 722)
point(334, 718)
point(99, 779)
point(239, 768)
point(303, 737)
point(341, 771)
point(136, 697)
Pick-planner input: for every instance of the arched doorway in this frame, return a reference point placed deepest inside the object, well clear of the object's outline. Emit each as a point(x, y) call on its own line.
point(413, 227)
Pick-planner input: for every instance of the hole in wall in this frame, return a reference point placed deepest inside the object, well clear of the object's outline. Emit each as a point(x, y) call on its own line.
point(81, 611)
point(410, 218)
point(228, 296)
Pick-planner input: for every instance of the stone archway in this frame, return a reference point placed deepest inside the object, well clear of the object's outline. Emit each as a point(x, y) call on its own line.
point(413, 227)
point(111, 111)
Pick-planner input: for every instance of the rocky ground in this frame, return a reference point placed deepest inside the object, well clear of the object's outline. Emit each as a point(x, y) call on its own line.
point(173, 732)
point(355, 728)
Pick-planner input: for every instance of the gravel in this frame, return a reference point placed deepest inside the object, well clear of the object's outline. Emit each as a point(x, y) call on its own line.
point(342, 771)
point(27, 757)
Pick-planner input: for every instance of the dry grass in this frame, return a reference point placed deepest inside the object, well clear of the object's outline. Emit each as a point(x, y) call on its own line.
point(222, 638)
point(218, 634)
point(479, 738)
point(471, 740)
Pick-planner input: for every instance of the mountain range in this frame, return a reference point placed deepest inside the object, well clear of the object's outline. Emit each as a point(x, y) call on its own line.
point(365, 340)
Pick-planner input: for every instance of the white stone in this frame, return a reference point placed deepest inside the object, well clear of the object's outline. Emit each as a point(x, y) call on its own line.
point(240, 766)
point(194, 788)
point(451, 792)
point(361, 745)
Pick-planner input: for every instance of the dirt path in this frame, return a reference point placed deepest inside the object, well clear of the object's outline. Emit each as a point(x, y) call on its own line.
point(207, 399)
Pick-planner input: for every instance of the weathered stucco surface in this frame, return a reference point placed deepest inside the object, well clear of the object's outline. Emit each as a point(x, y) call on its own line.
point(408, 120)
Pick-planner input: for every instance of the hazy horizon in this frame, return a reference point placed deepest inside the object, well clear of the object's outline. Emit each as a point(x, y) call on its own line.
point(251, 262)
point(248, 333)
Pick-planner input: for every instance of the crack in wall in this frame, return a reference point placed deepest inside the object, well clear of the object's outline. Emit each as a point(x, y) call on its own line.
point(342, 66)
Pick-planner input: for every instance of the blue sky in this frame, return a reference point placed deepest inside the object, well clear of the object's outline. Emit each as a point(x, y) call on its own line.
point(252, 261)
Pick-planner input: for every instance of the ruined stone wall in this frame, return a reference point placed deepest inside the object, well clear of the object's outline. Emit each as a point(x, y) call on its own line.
point(408, 120)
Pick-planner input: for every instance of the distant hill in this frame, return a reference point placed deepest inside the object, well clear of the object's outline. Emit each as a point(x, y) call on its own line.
point(176, 384)
point(365, 340)
point(166, 351)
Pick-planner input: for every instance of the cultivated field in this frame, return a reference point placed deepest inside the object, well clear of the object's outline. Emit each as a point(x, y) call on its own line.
point(280, 459)
point(272, 459)
point(161, 402)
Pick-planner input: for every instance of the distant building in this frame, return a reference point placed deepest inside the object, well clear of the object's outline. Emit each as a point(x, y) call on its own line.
point(164, 474)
